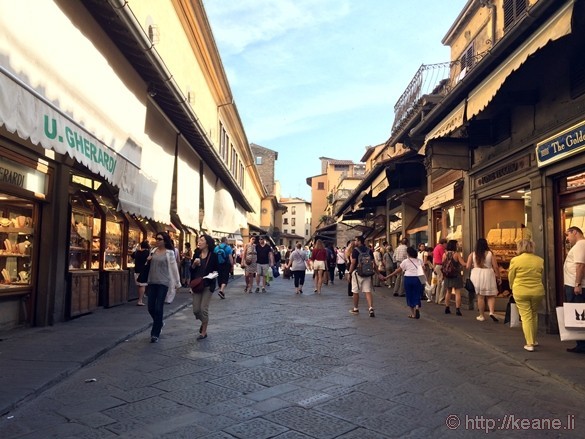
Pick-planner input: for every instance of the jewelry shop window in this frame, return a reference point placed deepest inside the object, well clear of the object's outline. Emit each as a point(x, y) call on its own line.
point(17, 239)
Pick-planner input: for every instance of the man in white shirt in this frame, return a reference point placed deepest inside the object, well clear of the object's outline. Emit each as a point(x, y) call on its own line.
point(574, 275)
point(399, 256)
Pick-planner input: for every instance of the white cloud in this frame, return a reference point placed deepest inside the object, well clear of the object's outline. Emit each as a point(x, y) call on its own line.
point(245, 23)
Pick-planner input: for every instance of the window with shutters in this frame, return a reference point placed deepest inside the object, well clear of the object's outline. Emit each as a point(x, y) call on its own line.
point(514, 10)
point(467, 59)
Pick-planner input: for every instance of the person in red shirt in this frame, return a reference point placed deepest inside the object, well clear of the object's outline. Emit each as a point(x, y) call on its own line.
point(319, 263)
point(438, 253)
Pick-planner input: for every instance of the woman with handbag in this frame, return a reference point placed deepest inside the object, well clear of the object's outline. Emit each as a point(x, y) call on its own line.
point(525, 276)
point(205, 261)
point(162, 275)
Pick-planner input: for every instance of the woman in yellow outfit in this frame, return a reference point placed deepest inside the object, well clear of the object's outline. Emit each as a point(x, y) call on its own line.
point(525, 276)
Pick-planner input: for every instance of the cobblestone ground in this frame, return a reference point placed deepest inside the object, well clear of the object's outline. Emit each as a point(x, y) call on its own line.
point(286, 366)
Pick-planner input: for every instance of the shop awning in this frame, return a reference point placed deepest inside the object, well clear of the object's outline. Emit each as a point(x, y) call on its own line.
point(28, 114)
point(380, 184)
point(439, 197)
point(449, 124)
point(188, 185)
point(556, 27)
point(221, 213)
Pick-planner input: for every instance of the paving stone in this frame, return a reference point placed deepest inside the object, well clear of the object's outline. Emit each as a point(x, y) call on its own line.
point(201, 395)
point(255, 429)
point(142, 411)
point(95, 420)
point(183, 381)
point(238, 384)
point(267, 376)
point(292, 435)
point(355, 405)
point(306, 397)
point(217, 435)
point(312, 423)
point(362, 433)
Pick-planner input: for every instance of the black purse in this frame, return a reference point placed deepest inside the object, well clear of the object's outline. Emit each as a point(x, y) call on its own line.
point(143, 275)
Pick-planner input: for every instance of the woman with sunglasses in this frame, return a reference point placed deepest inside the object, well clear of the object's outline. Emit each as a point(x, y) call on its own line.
point(163, 274)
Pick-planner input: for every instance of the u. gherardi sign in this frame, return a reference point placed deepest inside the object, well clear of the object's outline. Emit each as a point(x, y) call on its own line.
point(561, 145)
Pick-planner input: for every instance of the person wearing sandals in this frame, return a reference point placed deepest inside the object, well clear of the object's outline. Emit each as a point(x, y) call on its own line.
point(205, 261)
point(485, 277)
point(298, 263)
point(163, 274)
point(319, 263)
point(249, 262)
point(453, 285)
point(412, 286)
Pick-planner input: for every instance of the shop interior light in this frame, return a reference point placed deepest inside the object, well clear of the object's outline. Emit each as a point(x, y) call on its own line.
point(505, 196)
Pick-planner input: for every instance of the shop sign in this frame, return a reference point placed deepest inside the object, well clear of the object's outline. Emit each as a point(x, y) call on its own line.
point(81, 146)
point(561, 145)
point(21, 176)
point(504, 171)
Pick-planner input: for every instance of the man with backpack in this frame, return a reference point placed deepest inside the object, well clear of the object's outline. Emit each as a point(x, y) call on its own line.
point(361, 270)
point(225, 263)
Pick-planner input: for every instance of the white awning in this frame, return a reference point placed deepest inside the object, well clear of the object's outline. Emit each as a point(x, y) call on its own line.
point(556, 27)
point(380, 183)
point(188, 185)
point(449, 124)
point(439, 197)
point(30, 116)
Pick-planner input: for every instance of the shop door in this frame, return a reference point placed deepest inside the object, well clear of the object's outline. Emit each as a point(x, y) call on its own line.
point(571, 204)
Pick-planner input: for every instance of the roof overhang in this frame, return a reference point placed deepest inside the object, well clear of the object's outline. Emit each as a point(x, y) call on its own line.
point(120, 24)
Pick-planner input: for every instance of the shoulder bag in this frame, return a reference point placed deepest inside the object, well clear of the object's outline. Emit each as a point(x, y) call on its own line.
point(143, 275)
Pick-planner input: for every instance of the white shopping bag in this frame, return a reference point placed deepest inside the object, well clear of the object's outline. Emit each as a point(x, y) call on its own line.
point(568, 333)
point(515, 320)
point(574, 315)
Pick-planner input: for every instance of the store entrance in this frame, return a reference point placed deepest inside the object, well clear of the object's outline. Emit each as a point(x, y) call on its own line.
point(571, 202)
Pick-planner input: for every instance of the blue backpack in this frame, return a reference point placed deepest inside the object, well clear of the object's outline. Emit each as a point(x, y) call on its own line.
point(221, 253)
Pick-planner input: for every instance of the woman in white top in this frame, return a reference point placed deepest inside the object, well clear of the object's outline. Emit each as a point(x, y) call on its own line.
point(411, 267)
point(485, 276)
point(341, 262)
point(298, 263)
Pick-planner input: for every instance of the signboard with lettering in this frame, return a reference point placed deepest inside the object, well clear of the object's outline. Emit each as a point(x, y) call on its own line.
point(503, 171)
point(21, 176)
point(561, 145)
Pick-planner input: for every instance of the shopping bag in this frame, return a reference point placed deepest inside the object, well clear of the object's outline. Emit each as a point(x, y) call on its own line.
point(565, 333)
point(171, 293)
point(515, 321)
point(275, 272)
point(574, 315)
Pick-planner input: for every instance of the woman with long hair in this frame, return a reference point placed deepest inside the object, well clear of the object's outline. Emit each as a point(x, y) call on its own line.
point(140, 256)
point(205, 261)
point(250, 263)
point(453, 285)
point(163, 274)
point(485, 276)
point(319, 262)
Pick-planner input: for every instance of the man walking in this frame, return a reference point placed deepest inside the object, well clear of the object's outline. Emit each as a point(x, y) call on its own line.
point(265, 262)
point(400, 255)
point(438, 253)
point(225, 263)
point(574, 275)
point(361, 270)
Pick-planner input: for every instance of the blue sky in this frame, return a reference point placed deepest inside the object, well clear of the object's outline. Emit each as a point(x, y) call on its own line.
point(315, 78)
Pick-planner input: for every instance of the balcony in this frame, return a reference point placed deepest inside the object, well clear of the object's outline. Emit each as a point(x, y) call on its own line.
point(429, 86)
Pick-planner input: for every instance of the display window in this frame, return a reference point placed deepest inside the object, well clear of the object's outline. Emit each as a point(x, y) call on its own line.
point(113, 221)
point(448, 222)
point(83, 247)
point(507, 218)
point(135, 234)
point(572, 205)
point(17, 218)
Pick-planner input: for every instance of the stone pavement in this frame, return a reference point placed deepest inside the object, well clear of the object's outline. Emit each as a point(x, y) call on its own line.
point(280, 365)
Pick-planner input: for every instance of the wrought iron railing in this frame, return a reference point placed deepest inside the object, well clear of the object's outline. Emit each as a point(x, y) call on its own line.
point(431, 80)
